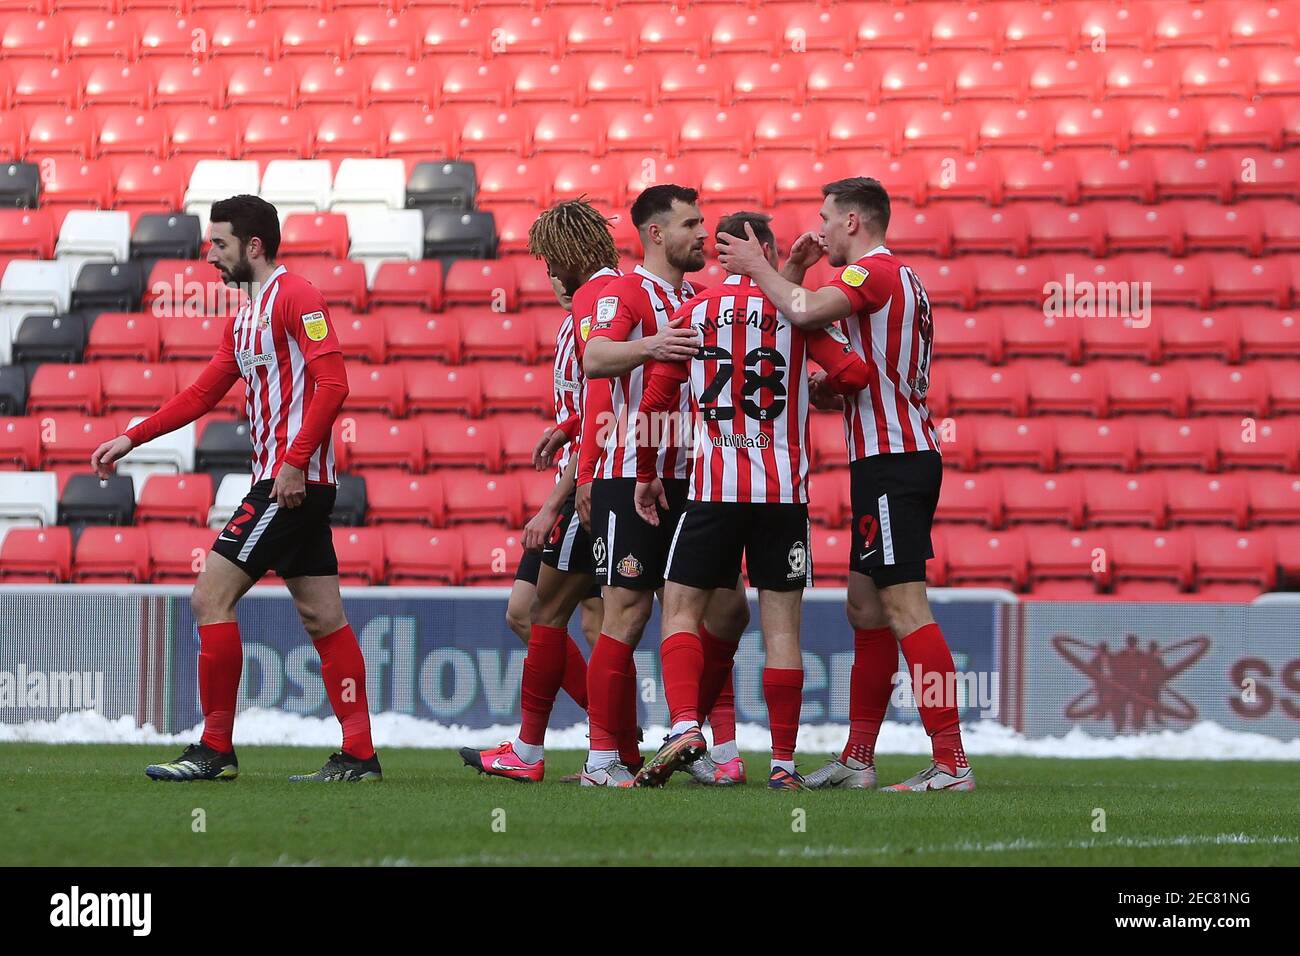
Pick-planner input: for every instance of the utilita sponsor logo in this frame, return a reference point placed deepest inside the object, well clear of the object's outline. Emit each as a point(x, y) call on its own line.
point(65, 690)
point(74, 909)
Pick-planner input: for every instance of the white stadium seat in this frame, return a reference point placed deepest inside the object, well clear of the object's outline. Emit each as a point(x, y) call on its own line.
point(170, 454)
point(216, 179)
point(100, 234)
point(297, 185)
point(381, 236)
point(29, 497)
point(39, 284)
point(369, 184)
point(232, 491)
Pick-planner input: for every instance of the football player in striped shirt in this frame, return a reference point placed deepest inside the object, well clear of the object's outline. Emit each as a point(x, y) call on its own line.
point(748, 497)
point(895, 472)
point(283, 345)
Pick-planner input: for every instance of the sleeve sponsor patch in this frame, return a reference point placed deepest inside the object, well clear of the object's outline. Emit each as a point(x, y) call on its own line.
point(315, 325)
point(854, 275)
point(606, 309)
point(584, 327)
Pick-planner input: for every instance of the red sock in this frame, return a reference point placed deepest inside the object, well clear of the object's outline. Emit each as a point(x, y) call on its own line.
point(925, 649)
point(716, 675)
point(606, 687)
point(344, 671)
point(722, 718)
point(575, 674)
point(783, 691)
point(221, 660)
point(871, 681)
point(629, 746)
point(683, 660)
point(543, 673)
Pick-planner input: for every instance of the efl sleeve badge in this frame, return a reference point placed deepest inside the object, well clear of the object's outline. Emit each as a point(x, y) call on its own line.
point(315, 325)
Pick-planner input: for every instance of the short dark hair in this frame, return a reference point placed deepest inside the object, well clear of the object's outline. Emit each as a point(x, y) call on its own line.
point(865, 195)
point(655, 200)
point(249, 217)
point(734, 225)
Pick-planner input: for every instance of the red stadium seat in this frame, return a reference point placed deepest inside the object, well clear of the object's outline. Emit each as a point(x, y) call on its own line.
point(73, 185)
point(910, 76)
point(376, 388)
point(374, 441)
point(1055, 228)
point(113, 83)
point(183, 82)
point(401, 82)
point(71, 438)
point(455, 441)
point(825, 440)
point(975, 388)
point(408, 283)
point(1061, 389)
point(971, 498)
point(1248, 443)
point(1061, 555)
point(1053, 76)
point(254, 82)
point(1134, 228)
point(1212, 499)
point(27, 233)
point(270, 133)
point(175, 498)
point(325, 82)
point(163, 33)
point(106, 554)
point(1276, 72)
point(1029, 333)
point(828, 498)
point(54, 132)
point(394, 496)
point(1117, 499)
point(497, 335)
point(1028, 176)
point(124, 335)
point(1187, 25)
point(1113, 26)
point(1283, 384)
point(954, 27)
point(1104, 125)
point(1165, 443)
point(1173, 281)
point(1215, 388)
point(616, 80)
point(361, 336)
point(1260, 23)
point(1007, 280)
point(492, 552)
point(1162, 124)
point(979, 228)
point(309, 33)
point(1241, 123)
point(1133, 73)
point(519, 434)
point(830, 78)
point(376, 32)
point(966, 334)
point(1237, 280)
point(474, 496)
point(150, 185)
point(20, 444)
point(926, 230)
point(968, 177)
point(137, 386)
point(244, 34)
point(1141, 555)
point(39, 83)
point(808, 28)
point(482, 282)
point(1111, 337)
point(1091, 444)
point(131, 131)
point(780, 130)
point(208, 134)
point(191, 337)
point(685, 79)
point(1109, 175)
point(1237, 557)
point(1012, 441)
point(37, 555)
point(415, 333)
point(513, 222)
point(347, 132)
point(34, 35)
point(540, 80)
point(923, 126)
point(759, 79)
point(830, 551)
point(1030, 497)
point(420, 556)
point(1274, 499)
point(1180, 174)
point(56, 387)
point(360, 553)
point(631, 128)
point(509, 387)
point(1212, 73)
point(977, 556)
point(1139, 389)
point(1188, 333)
point(315, 234)
point(341, 282)
point(439, 388)
point(486, 129)
point(946, 281)
point(1269, 333)
point(988, 78)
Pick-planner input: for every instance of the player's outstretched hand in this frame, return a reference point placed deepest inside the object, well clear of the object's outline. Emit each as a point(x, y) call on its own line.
point(821, 395)
point(806, 250)
point(649, 498)
point(290, 487)
point(104, 461)
point(539, 528)
point(673, 342)
point(547, 447)
point(582, 504)
point(741, 256)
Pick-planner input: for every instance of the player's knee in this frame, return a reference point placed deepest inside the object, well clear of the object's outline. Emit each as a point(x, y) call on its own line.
point(906, 613)
point(209, 607)
point(866, 617)
point(518, 621)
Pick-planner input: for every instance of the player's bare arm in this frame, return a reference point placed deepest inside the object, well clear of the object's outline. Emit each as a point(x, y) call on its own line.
point(290, 487)
point(540, 524)
point(606, 358)
point(805, 308)
point(650, 497)
point(104, 461)
point(804, 253)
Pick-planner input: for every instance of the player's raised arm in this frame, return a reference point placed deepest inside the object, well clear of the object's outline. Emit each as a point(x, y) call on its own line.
point(846, 373)
point(609, 354)
point(805, 308)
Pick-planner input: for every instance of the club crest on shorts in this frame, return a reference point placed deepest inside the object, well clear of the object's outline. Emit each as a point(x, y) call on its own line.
point(315, 325)
point(798, 558)
point(598, 550)
point(630, 567)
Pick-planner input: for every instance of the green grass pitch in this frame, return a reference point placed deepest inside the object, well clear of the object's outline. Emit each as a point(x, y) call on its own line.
point(89, 805)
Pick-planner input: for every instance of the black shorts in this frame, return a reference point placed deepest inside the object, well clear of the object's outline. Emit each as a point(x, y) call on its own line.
point(894, 498)
point(711, 537)
point(529, 566)
point(629, 553)
point(296, 542)
point(568, 548)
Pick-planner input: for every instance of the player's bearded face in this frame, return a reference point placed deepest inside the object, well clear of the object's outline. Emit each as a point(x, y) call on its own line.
point(684, 239)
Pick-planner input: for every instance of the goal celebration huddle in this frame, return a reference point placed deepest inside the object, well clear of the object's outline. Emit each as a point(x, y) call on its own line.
point(681, 450)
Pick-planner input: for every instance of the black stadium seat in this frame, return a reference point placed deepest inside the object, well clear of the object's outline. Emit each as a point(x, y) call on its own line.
point(20, 185)
point(447, 184)
point(52, 338)
point(88, 500)
point(351, 501)
point(166, 235)
point(113, 286)
point(13, 389)
point(225, 447)
point(455, 234)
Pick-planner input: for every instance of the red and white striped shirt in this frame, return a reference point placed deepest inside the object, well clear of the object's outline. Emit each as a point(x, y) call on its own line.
point(269, 344)
point(568, 386)
point(890, 327)
point(749, 394)
point(631, 307)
